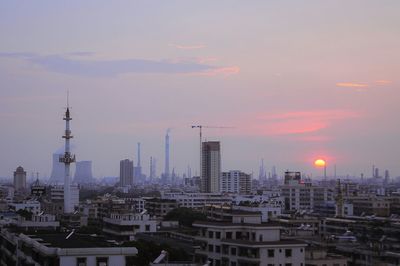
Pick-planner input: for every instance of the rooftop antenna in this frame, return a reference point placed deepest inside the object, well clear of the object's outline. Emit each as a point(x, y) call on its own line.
point(70, 234)
point(67, 98)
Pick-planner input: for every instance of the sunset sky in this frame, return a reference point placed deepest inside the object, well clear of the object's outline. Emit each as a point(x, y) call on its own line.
point(295, 81)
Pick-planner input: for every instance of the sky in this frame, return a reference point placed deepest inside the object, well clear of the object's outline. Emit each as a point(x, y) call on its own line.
point(291, 81)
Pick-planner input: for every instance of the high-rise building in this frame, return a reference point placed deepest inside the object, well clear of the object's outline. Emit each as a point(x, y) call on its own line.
point(153, 163)
point(211, 166)
point(262, 176)
point(126, 173)
point(19, 179)
point(236, 182)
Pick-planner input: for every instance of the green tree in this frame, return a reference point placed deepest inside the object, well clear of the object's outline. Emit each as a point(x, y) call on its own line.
point(185, 216)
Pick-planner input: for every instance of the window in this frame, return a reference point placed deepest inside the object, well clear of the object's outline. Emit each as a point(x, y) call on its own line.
point(210, 248)
point(271, 253)
point(102, 261)
point(288, 253)
point(218, 249)
point(210, 234)
point(217, 235)
point(147, 227)
point(81, 262)
point(233, 251)
point(228, 235)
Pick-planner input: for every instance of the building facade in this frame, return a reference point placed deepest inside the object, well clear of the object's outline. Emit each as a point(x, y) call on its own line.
point(19, 179)
point(236, 182)
point(211, 166)
point(126, 173)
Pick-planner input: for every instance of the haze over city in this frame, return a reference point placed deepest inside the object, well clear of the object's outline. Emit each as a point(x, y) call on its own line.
point(293, 82)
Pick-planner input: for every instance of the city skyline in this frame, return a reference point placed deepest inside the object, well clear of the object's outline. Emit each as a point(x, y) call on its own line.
point(296, 82)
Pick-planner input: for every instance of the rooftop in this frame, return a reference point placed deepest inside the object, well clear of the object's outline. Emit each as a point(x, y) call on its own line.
point(264, 243)
point(74, 241)
point(217, 223)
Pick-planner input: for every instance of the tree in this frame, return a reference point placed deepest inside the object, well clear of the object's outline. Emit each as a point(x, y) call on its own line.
point(185, 216)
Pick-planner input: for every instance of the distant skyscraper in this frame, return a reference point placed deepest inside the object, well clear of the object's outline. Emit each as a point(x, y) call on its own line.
point(273, 172)
point(387, 176)
point(211, 166)
point(126, 173)
point(19, 179)
point(377, 172)
point(262, 174)
point(83, 172)
point(152, 168)
point(166, 174)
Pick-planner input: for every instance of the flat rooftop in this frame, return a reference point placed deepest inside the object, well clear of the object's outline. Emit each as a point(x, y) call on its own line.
point(227, 224)
point(75, 241)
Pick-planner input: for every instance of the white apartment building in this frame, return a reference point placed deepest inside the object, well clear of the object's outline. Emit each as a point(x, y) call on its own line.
point(246, 242)
point(126, 226)
point(32, 206)
point(303, 196)
point(196, 200)
point(235, 182)
point(57, 194)
point(268, 210)
point(44, 221)
point(61, 249)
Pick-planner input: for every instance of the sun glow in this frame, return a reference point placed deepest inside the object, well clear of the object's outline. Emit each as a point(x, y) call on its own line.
point(320, 163)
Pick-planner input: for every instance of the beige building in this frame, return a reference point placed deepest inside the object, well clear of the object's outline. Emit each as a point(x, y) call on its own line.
point(19, 179)
point(245, 240)
point(211, 167)
point(236, 182)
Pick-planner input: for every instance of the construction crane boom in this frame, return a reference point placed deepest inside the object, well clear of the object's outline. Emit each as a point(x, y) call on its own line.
point(200, 127)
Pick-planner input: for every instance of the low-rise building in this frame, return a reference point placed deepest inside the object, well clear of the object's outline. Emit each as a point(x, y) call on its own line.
point(160, 207)
point(62, 249)
point(32, 206)
point(197, 200)
point(126, 226)
point(237, 243)
point(320, 257)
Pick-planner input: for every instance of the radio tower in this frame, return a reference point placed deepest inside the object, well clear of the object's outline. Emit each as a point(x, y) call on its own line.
point(67, 159)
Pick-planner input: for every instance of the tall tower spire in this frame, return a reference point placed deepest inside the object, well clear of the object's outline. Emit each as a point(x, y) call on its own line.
point(166, 170)
point(138, 154)
point(67, 159)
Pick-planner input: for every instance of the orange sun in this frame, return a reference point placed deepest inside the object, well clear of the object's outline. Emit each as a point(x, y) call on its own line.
point(320, 163)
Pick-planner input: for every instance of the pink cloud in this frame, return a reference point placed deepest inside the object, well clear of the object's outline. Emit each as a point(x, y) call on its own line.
point(351, 85)
point(225, 71)
point(312, 138)
point(296, 123)
point(188, 47)
point(383, 82)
